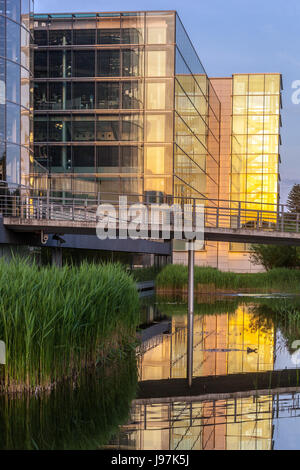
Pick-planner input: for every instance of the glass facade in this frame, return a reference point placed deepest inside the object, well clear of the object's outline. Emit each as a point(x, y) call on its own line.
point(16, 137)
point(123, 105)
point(255, 157)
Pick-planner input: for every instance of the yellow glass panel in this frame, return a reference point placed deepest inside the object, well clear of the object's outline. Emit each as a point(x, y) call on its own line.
point(158, 64)
point(239, 144)
point(239, 124)
point(240, 84)
point(156, 95)
point(163, 185)
point(238, 182)
point(270, 183)
point(254, 163)
point(270, 164)
point(272, 84)
point(255, 144)
point(240, 105)
point(272, 104)
point(254, 183)
point(256, 104)
point(158, 161)
point(271, 125)
point(239, 163)
point(271, 143)
point(158, 128)
point(256, 84)
point(255, 124)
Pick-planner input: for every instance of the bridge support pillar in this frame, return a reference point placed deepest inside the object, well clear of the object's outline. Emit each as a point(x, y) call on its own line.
point(57, 257)
point(190, 325)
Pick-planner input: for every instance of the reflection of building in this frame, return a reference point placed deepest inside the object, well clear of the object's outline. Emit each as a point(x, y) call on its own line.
point(220, 347)
point(15, 106)
point(249, 158)
point(221, 343)
point(123, 105)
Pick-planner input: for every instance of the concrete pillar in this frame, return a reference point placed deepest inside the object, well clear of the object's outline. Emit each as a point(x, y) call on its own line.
point(57, 256)
point(190, 325)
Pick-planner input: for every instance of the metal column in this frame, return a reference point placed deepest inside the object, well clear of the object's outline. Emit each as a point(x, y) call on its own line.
point(190, 325)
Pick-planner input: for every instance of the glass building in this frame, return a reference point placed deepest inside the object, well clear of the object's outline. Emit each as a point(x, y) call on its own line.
point(123, 105)
point(255, 140)
point(16, 138)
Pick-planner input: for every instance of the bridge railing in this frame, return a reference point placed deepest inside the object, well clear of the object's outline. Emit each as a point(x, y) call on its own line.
point(25, 204)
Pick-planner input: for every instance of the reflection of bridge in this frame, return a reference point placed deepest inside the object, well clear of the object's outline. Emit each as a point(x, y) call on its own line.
point(234, 423)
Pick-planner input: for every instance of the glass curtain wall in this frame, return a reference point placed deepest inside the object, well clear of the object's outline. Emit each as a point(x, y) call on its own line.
point(103, 98)
point(255, 140)
point(16, 137)
point(197, 124)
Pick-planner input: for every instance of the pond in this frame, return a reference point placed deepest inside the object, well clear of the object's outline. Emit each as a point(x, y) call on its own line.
point(143, 401)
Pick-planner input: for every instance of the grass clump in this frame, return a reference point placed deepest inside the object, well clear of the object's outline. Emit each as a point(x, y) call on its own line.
point(176, 276)
point(56, 321)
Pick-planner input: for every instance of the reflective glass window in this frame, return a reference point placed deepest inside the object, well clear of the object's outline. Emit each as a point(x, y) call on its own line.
point(59, 128)
point(40, 64)
point(56, 63)
point(60, 37)
point(84, 159)
point(108, 95)
point(132, 127)
point(107, 128)
point(2, 7)
point(132, 95)
point(131, 63)
point(40, 128)
point(83, 95)
point(13, 9)
point(13, 82)
point(83, 128)
point(41, 37)
point(130, 159)
point(13, 41)
point(2, 121)
point(13, 122)
point(2, 160)
point(60, 158)
point(40, 96)
point(84, 64)
point(59, 95)
point(107, 159)
point(84, 36)
point(108, 36)
point(13, 163)
point(2, 36)
point(108, 63)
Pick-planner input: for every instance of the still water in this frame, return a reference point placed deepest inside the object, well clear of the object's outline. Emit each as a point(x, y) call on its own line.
point(232, 335)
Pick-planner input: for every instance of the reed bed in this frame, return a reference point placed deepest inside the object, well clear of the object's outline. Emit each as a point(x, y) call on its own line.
point(56, 321)
point(176, 277)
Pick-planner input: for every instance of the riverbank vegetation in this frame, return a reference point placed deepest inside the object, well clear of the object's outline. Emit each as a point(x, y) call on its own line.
point(84, 414)
point(54, 322)
point(175, 277)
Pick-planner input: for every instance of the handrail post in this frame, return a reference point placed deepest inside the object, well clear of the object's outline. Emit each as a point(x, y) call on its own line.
point(282, 218)
point(47, 204)
point(239, 215)
point(297, 223)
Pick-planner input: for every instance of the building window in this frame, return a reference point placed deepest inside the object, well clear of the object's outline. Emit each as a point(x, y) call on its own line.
point(108, 63)
point(108, 94)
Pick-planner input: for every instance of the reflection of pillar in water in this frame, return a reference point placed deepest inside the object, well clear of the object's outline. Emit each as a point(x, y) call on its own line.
point(190, 326)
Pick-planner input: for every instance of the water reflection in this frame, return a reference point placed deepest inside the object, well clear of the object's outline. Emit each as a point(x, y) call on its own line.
point(80, 414)
point(242, 336)
point(248, 423)
point(226, 343)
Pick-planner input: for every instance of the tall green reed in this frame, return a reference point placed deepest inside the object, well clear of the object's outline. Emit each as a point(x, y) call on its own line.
point(56, 321)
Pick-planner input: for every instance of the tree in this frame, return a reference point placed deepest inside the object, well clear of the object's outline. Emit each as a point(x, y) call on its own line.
point(293, 200)
point(272, 256)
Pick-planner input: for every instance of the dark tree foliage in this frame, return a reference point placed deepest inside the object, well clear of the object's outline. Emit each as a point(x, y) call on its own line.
point(272, 256)
point(293, 200)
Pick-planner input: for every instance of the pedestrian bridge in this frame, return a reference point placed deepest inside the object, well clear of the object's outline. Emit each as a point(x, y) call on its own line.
point(223, 220)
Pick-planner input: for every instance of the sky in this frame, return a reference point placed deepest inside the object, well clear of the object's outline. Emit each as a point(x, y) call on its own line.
point(233, 36)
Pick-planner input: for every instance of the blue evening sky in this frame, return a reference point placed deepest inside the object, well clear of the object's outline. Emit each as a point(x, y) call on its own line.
point(232, 36)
